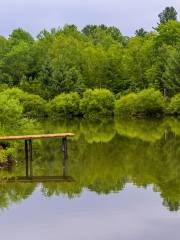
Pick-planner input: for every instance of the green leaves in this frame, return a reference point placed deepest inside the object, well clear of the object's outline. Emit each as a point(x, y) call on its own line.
point(66, 60)
point(145, 103)
point(64, 105)
point(169, 13)
point(96, 103)
point(10, 110)
point(174, 106)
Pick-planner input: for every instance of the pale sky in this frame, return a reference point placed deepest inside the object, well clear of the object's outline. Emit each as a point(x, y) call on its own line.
point(35, 15)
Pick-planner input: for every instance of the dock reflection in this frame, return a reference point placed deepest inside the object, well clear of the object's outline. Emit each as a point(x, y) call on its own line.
point(31, 178)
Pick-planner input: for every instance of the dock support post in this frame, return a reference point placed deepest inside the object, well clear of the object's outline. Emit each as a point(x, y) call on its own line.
point(26, 157)
point(65, 151)
point(31, 159)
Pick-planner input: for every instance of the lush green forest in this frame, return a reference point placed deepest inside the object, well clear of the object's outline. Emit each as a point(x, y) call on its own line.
point(59, 67)
point(96, 72)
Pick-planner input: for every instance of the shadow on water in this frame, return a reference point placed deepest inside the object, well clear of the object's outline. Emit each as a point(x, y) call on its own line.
point(104, 156)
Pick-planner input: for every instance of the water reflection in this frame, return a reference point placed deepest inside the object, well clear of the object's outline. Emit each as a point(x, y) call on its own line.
point(104, 157)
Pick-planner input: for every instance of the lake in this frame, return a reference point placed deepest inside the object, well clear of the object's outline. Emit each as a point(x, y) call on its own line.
point(121, 181)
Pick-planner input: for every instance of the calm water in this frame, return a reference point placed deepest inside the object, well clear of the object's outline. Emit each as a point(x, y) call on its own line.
point(125, 184)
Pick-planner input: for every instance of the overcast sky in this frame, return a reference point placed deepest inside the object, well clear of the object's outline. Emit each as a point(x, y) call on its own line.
point(35, 15)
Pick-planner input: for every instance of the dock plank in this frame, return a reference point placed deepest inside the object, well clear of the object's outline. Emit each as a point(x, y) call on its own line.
point(37, 136)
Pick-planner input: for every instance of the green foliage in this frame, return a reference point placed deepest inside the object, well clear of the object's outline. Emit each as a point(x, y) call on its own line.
point(65, 105)
point(171, 76)
point(150, 102)
point(10, 110)
point(126, 105)
point(16, 62)
point(140, 32)
point(19, 35)
point(3, 155)
point(174, 106)
point(7, 153)
point(102, 34)
point(14, 93)
point(98, 102)
point(169, 13)
point(147, 103)
point(66, 60)
point(33, 105)
point(168, 33)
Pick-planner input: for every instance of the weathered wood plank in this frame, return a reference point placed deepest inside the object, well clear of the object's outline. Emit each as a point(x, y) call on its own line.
point(38, 136)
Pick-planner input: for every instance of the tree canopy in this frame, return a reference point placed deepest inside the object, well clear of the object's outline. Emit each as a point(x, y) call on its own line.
point(67, 59)
point(169, 13)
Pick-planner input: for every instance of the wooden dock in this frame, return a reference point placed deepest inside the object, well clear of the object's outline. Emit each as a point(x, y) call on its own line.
point(29, 156)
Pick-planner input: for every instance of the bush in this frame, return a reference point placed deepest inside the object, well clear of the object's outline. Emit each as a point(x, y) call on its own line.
point(3, 155)
point(65, 105)
point(174, 106)
point(10, 110)
point(33, 105)
point(14, 93)
point(148, 102)
point(98, 102)
point(126, 105)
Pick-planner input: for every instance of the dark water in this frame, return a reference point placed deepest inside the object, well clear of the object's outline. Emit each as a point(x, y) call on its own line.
point(121, 181)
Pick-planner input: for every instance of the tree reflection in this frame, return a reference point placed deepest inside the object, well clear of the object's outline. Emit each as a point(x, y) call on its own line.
point(104, 158)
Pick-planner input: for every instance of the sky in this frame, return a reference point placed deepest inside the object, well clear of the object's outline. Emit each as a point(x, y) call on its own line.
point(35, 15)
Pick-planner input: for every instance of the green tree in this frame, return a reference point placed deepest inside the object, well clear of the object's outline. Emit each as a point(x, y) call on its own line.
point(140, 32)
point(16, 63)
point(92, 30)
point(169, 13)
point(138, 59)
point(19, 35)
point(168, 33)
point(171, 75)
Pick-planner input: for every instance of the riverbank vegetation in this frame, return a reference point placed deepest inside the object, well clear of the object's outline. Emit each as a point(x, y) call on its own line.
point(72, 72)
point(17, 105)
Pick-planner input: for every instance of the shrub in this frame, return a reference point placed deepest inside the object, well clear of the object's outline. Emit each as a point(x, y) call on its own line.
point(10, 110)
point(3, 87)
point(65, 105)
point(126, 105)
point(148, 102)
point(33, 105)
point(98, 102)
point(15, 93)
point(3, 155)
point(174, 106)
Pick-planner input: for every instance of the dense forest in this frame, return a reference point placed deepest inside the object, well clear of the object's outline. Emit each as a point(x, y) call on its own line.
point(64, 64)
point(65, 60)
